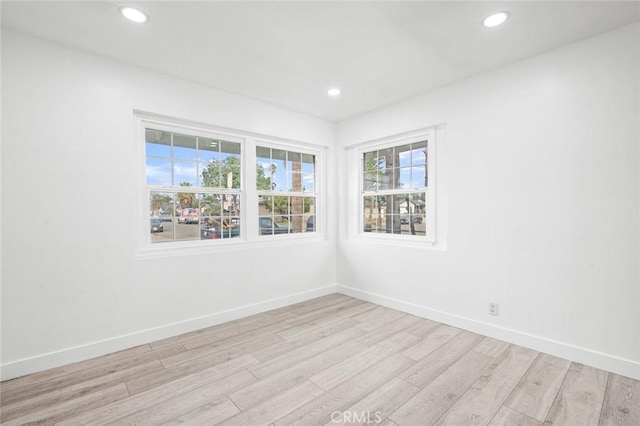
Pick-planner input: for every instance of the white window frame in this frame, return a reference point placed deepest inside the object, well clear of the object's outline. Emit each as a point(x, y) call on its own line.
point(428, 134)
point(249, 231)
point(318, 187)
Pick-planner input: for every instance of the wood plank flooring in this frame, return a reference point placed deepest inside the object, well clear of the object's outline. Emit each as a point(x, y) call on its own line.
point(327, 361)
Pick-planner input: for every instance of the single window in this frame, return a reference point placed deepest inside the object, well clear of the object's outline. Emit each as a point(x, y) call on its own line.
point(396, 195)
point(286, 187)
point(194, 186)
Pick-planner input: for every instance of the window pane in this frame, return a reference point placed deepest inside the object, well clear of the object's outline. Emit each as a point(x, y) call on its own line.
point(385, 179)
point(162, 216)
point(412, 218)
point(263, 168)
point(210, 208)
point(393, 225)
point(296, 205)
point(188, 216)
point(184, 147)
point(209, 217)
point(265, 205)
point(295, 182)
point(386, 158)
point(230, 216)
point(419, 153)
point(404, 203)
point(419, 176)
point(220, 216)
point(208, 150)
point(308, 162)
point(161, 205)
point(278, 171)
point(370, 182)
point(308, 183)
point(158, 143)
point(294, 161)
point(266, 225)
point(230, 148)
point(185, 173)
point(230, 167)
point(370, 162)
point(311, 224)
point(158, 171)
point(403, 155)
point(209, 176)
point(298, 224)
point(231, 204)
point(391, 179)
point(294, 171)
point(373, 223)
point(309, 205)
point(404, 176)
point(281, 205)
point(263, 153)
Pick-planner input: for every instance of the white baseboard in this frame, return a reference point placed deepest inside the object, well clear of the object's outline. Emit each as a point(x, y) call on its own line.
point(91, 350)
point(612, 363)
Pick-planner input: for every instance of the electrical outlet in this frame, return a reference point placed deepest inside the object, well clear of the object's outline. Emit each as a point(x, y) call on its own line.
point(494, 309)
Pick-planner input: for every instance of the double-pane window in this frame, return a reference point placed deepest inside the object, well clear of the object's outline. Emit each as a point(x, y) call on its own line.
point(194, 186)
point(286, 185)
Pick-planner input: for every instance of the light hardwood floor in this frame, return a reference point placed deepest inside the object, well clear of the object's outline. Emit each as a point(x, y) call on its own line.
point(330, 360)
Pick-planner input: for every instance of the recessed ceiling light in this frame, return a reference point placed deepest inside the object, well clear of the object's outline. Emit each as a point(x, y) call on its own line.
point(333, 91)
point(134, 15)
point(495, 19)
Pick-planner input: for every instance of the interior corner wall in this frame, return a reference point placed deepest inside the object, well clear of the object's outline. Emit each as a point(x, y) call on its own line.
point(543, 205)
point(71, 285)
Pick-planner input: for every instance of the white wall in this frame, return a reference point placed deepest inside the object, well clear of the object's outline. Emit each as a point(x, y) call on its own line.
point(540, 166)
point(71, 284)
point(542, 180)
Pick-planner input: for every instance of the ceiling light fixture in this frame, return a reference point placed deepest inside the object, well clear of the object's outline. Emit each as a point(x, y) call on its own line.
point(333, 91)
point(495, 19)
point(134, 15)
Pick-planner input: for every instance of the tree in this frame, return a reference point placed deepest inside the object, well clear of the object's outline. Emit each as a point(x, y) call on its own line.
point(263, 183)
point(375, 171)
point(186, 199)
point(217, 173)
point(284, 204)
point(160, 203)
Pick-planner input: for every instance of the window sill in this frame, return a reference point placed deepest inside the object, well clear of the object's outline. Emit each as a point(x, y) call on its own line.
point(195, 248)
point(398, 241)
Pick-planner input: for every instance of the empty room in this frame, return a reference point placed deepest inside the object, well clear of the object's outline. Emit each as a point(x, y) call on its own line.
point(320, 213)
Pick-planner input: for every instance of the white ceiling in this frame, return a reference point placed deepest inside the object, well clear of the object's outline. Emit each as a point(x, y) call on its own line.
point(290, 53)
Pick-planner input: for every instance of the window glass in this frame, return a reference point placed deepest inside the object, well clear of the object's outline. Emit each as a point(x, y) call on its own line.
point(394, 185)
point(162, 208)
point(158, 143)
point(184, 147)
point(158, 171)
point(208, 150)
point(200, 180)
point(286, 183)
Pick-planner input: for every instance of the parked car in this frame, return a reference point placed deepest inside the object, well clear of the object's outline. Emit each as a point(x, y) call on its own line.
point(189, 219)
point(156, 225)
point(415, 218)
point(269, 227)
point(311, 223)
point(212, 233)
point(266, 224)
point(165, 217)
